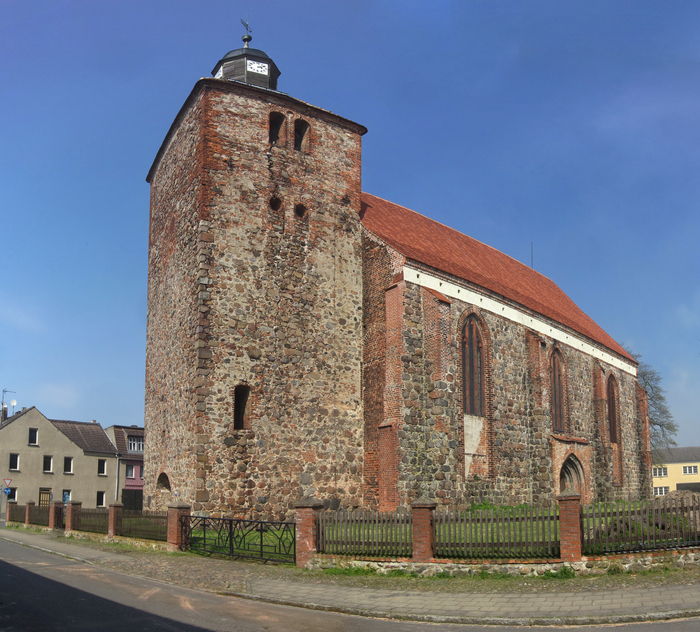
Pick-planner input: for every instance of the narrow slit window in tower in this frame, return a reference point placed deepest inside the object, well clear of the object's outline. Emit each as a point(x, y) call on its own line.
point(240, 402)
point(276, 124)
point(301, 129)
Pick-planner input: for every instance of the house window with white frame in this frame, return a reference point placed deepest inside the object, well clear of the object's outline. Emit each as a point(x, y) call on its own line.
point(130, 471)
point(14, 462)
point(101, 467)
point(48, 464)
point(12, 496)
point(661, 491)
point(100, 499)
point(67, 464)
point(135, 444)
point(33, 436)
point(690, 469)
point(658, 472)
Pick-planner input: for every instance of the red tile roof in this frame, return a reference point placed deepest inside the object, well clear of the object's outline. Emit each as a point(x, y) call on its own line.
point(426, 241)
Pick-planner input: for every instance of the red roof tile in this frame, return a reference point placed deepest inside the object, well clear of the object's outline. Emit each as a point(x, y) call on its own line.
point(426, 241)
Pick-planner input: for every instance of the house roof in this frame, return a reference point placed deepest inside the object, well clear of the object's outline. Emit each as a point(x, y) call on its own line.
point(121, 439)
point(426, 241)
point(680, 455)
point(89, 437)
point(16, 416)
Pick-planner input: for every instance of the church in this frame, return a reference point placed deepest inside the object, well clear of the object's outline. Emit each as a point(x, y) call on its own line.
point(306, 338)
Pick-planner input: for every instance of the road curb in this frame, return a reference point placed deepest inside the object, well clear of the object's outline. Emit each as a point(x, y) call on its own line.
point(473, 620)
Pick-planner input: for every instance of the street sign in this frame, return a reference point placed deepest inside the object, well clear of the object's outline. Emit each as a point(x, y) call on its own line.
point(7, 482)
point(7, 491)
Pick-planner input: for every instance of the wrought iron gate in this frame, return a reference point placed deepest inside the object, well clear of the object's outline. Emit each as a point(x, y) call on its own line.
point(257, 539)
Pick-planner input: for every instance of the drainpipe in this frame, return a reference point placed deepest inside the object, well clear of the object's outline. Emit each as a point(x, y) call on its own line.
point(116, 485)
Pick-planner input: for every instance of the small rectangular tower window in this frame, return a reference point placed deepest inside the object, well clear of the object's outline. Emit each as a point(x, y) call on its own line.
point(301, 133)
point(276, 127)
point(240, 402)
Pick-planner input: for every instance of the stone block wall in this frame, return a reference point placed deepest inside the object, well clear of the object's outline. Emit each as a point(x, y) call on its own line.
point(173, 363)
point(277, 307)
point(510, 455)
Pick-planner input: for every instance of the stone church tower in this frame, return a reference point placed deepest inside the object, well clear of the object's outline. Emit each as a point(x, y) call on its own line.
point(254, 342)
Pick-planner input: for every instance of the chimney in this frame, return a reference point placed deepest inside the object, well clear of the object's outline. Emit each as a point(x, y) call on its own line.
point(94, 421)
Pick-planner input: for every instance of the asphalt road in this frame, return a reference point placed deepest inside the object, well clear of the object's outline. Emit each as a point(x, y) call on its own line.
point(41, 591)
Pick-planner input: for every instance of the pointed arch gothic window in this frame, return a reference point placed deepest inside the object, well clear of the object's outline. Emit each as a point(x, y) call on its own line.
point(613, 413)
point(472, 368)
point(557, 373)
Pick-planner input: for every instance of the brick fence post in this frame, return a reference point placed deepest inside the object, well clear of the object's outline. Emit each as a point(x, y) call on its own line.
point(27, 512)
point(114, 521)
point(55, 509)
point(423, 529)
point(570, 526)
point(73, 515)
point(305, 521)
point(175, 512)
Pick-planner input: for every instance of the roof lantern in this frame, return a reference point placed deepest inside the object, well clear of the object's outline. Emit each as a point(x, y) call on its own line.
point(249, 65)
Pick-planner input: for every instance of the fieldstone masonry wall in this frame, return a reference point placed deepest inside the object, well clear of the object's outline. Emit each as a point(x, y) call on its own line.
point(272, 301)
point(510, 455)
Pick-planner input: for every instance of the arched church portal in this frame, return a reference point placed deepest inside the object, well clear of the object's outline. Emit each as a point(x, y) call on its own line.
point(571, 478)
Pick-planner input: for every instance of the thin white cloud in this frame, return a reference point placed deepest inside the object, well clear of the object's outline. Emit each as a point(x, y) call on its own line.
point(23, 320)
point(58, 395)
point(687, 315)
point(682, 390)
point(641, 107)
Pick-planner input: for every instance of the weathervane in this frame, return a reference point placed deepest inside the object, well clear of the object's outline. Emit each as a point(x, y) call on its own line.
point(246, 38)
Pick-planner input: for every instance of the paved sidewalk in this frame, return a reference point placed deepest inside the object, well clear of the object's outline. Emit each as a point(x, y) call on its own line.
point(51, 545)
point(561, 608)
point(516, 608)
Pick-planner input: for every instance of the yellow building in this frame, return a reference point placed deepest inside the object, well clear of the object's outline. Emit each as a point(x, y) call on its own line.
point(678, 469)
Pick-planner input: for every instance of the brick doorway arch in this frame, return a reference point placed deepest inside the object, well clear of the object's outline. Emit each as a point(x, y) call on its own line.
point(571, 476)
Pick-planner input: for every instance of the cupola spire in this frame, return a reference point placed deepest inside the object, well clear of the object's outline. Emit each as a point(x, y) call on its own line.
point(249, 65)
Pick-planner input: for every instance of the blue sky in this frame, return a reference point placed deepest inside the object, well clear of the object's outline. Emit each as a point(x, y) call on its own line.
point(571, 125)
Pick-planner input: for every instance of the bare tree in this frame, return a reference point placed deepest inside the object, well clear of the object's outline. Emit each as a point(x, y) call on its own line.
point(661, 424)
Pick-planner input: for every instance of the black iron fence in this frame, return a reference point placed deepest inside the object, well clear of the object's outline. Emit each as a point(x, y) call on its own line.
point(272, 541)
